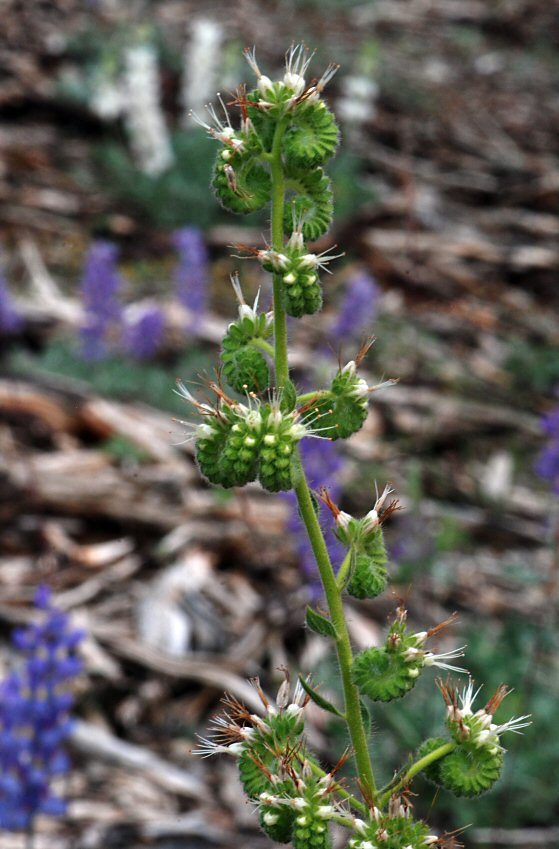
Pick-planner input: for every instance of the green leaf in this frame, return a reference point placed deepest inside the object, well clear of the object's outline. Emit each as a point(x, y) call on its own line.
point(320, 700)
point(319, 624)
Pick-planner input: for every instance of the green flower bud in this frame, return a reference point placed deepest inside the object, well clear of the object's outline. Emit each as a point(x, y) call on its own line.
point(368, 577)
point(244, 366)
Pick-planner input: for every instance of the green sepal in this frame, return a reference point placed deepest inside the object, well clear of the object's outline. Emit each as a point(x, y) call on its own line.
point(319, 624)
point(368, 575)
point(246, 370)
point(470, 770)
point(320, 700)
point(383, 676)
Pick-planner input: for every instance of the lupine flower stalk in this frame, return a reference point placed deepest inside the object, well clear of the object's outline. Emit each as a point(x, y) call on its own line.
point(192, 274)
point(100, 288)
point(358, 308)
point(273, 156)
point(143, 333)
point(35, 717)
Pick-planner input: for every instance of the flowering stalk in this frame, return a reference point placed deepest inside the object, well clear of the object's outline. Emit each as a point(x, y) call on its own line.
point(275, 157)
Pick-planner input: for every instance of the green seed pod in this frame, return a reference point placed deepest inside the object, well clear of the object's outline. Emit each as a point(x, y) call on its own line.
point(311, 832)
point(239, 459)
point(383, 675)
point(209, 449)
point(241, 184)
point(311, 829)
point(432, 772)
point(312, 137)
point(302, 293)
point(368, 578)
point(277, 822)
point(313, 204)
point(471, 770)
point(275, 464)
point(280, 435)
point(245, 369)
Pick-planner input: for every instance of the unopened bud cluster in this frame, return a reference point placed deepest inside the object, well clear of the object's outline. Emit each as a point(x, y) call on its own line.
point(390, 671)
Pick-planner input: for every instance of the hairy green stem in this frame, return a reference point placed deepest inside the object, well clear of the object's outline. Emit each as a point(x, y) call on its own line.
point(333, 595)
point(343, 645)
point(417, 767)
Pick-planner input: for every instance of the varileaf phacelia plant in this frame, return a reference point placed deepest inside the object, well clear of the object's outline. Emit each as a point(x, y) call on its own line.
point(275, 155)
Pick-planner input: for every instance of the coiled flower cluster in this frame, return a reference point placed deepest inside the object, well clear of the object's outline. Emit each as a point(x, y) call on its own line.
point(476, 761)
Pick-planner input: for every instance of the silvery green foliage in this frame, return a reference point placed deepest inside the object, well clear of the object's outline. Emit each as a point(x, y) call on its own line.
point(275, 154)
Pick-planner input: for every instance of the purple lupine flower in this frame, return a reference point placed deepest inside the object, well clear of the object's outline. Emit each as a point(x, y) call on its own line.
point(192, 270)
point(143, 335)
point(35, 717)
point(323, 464)
point(547, 463)
point(99, 287)
point(10, 319)
point(358, 308)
